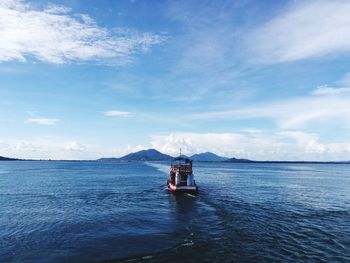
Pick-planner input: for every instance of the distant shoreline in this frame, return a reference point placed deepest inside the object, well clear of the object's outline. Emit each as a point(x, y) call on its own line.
point(129, 161)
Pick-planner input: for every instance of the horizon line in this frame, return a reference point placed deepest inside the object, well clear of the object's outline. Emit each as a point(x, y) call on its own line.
point(239, 160)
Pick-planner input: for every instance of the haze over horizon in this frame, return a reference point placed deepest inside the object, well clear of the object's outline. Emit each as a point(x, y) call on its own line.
point(258, 80)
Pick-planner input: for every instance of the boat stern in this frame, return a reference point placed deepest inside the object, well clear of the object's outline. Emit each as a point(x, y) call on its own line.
point(182, 188)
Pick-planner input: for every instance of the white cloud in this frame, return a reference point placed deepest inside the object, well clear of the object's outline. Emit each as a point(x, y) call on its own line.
point(55, 35)
point(309, 142)
point(76, 146)
point(285, 145)
point(56, 148)
point(115, 113)
point(46, 148)
point(43, 121)
point(306, 29)
point(325, 90)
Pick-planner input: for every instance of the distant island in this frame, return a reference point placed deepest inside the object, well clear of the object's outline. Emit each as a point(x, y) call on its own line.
point(144, 155)
point(156, 156)
point(7, 159)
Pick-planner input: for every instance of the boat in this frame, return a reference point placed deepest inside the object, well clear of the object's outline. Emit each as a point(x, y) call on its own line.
point(181, 178)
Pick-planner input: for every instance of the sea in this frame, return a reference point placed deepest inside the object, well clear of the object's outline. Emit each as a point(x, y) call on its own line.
point(90, 211)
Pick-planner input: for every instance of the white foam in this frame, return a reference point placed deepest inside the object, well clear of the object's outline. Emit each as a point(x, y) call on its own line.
point(160, 167)
point(190, 195)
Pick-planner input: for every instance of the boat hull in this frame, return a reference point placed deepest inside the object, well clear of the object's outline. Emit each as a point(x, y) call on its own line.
point(182, 189)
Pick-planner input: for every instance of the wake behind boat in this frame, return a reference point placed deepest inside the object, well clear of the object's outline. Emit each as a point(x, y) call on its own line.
point(181, 178)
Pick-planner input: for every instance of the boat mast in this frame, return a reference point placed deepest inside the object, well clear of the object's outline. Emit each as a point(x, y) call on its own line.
point(180, 151)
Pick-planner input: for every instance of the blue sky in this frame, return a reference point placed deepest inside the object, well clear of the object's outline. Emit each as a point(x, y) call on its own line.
point(251, 79)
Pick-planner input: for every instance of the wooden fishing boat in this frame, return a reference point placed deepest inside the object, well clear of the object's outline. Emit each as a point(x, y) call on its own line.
point(181, 178)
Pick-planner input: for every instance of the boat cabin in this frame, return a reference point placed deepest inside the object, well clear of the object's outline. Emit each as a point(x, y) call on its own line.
point(181, 172)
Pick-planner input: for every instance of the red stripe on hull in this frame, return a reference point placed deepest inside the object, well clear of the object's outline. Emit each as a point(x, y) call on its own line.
point(182, 189)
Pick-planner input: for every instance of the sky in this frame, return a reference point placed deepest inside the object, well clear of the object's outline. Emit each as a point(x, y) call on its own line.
point(263, 80)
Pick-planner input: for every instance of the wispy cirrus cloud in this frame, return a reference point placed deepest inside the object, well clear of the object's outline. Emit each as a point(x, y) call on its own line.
point(56, 35)
point(325, 90)
point(204, 53)
point(324, 105)
point(203, 47)
point(43, 121)
point(305, 29)
point(116, 113)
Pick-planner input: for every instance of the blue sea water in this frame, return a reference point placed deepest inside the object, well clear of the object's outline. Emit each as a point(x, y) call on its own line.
point(56, 211)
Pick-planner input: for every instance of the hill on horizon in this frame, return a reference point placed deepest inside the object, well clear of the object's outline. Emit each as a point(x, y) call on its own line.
point(2, 158)
point(146, 155)
point(208, 157)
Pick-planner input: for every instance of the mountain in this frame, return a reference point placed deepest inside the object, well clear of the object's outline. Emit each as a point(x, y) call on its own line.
point(235, 160)
point(146, 155)
point(207, 157)
point(7, 159)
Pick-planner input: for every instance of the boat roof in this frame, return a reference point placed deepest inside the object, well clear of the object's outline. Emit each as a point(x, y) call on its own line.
point(182, 159)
